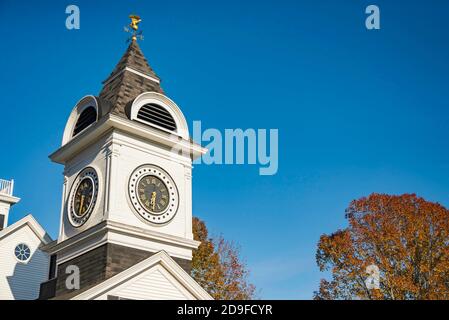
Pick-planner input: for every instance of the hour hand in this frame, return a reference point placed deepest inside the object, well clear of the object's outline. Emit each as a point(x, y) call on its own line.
point(80, 211)
point(153, 200)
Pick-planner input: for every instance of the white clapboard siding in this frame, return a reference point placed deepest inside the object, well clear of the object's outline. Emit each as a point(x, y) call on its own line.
point(154, 284)
point(21, 281)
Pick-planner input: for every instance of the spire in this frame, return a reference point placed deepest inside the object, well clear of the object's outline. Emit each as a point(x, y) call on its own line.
point(134, 59)
point(131, 76)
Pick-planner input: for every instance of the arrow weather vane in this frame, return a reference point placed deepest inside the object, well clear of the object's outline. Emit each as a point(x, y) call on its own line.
point(134, 25)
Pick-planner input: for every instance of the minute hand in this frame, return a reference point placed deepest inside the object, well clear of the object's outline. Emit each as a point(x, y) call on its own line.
point(153, 200)
point(80, 212)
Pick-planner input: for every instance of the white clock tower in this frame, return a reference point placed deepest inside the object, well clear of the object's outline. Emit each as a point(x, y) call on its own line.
point(127, 191)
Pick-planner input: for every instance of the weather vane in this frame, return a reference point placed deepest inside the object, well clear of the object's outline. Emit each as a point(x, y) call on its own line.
point(134, 25)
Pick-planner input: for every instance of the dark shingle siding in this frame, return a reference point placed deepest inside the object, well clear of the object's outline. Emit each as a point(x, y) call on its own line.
point(92, 266)
point(103, 263)
point(125, 86)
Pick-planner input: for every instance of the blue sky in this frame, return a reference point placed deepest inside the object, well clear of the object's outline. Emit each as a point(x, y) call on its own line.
point(357, 111)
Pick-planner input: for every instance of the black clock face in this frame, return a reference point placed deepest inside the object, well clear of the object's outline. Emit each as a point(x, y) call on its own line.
point(83, 197)
point(153, 194)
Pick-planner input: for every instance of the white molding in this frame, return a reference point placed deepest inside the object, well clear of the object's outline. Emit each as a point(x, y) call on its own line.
point(97, 130)
point(161, 153)
point(62, 210)
point(59, 246)
point(150, 234)
point(122, 138)
point(8, 199)
point(161, 258)
point(121, 234)
point(92, 245)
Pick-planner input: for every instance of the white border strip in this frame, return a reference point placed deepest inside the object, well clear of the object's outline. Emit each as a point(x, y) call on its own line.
point(135, 72)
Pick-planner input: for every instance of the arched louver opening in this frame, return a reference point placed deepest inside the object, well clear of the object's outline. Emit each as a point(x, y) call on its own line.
point(157, 115)
point(87, 117)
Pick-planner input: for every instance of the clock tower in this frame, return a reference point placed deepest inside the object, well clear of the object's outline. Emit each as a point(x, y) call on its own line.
point(127, 190)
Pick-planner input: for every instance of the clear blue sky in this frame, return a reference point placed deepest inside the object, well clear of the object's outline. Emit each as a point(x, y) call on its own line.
point(357, 111)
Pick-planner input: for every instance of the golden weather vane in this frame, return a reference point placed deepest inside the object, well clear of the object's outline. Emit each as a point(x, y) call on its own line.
point(134, 25)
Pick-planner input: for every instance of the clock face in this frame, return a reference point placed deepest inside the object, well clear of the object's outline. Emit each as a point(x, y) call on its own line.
point(153, 194)
point(83, 197)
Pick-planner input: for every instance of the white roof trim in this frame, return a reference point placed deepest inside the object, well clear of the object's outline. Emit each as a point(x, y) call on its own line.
point(160, 258)
point(32, 224)
point(9, 198)
point(106, 226)
point(135, 72)
point(95, 131)
point(142, 74)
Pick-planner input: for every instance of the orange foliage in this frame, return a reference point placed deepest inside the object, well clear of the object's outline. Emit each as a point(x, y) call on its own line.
point(405, 236)
point(216, 266)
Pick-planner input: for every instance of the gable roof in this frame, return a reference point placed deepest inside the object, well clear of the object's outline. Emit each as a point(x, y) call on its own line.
point(161, 259)
point(32, 224)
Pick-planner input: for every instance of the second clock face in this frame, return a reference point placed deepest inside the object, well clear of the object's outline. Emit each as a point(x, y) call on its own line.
point(83, 197)
point(153, 194)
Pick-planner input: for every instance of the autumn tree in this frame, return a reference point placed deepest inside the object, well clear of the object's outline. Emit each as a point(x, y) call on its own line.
point(405, 236)
point(216, 266)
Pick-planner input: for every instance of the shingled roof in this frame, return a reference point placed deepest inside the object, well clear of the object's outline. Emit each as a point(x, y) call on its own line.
point(131, 77)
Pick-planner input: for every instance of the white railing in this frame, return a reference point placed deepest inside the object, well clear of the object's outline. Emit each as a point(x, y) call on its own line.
point(6, 187)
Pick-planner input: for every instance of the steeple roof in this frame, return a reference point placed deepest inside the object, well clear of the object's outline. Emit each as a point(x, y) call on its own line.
point(131, 76)
point(134, 58)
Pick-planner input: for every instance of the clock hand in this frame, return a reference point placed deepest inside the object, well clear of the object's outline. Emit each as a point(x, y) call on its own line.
point(153, 200)
point(81, 205)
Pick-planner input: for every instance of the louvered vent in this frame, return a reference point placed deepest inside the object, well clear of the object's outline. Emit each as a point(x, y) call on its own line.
point(157, 115)
point(87, 117)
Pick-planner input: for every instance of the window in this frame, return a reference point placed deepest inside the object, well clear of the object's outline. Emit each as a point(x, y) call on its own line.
point(157, 115)
point(22, 252)
point(86, 118)
point(52, 269)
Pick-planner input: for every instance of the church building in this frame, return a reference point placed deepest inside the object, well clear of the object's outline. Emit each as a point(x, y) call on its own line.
point(126, 213)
